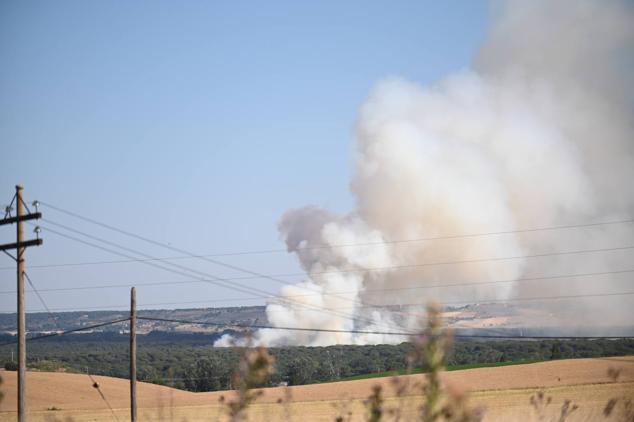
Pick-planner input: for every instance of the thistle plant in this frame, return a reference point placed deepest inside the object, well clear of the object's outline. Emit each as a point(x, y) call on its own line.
point(374, 404)
point(254, 369)
point(622, 408)
point(540, 403)
point(431, 351)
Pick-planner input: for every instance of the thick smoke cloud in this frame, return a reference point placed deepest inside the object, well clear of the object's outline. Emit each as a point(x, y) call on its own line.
point(539, 132)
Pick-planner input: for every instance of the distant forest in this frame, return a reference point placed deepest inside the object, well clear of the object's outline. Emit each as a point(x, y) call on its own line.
point(188, 361)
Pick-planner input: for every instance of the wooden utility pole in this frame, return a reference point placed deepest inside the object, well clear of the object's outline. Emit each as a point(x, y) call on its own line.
point(21, 312)
point(20, 247)
point(133, 355)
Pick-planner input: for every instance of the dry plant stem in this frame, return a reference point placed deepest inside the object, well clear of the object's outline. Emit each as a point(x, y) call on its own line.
point(375, 404)
point(620, 407)
point(343, 411)
point(401, 387)
point(540, 403)
point(431, 351)
point(288, 398)
point(566, 410)
point(254, 369)
point(435, 352)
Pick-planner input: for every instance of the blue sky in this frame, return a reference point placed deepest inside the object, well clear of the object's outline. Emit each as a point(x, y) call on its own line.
point(196, 123)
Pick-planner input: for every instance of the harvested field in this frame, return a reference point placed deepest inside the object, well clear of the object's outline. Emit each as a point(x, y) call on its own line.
point(504, 391)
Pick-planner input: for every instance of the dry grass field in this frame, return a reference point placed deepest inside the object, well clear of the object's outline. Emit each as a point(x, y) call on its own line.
point(503, 391)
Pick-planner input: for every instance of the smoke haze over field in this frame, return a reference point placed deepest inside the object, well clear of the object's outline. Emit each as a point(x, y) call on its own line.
point(538, 133)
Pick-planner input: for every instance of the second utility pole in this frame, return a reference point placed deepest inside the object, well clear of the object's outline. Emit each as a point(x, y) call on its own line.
point(133, 355)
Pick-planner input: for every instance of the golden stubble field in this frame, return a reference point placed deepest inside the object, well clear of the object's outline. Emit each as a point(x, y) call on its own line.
point(503, 391)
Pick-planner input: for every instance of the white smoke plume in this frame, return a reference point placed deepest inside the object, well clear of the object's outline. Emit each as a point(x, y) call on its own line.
point(539, 132)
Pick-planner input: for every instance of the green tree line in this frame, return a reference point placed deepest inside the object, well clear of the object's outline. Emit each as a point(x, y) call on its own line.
point(190, 362)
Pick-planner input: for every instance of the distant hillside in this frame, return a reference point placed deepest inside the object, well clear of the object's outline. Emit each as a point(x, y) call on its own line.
point(43, 322)
point(481, 319)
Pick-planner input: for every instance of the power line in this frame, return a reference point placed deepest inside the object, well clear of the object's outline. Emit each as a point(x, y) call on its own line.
point(153, 242)
point(110, 307)
point(483, 301)
point(262, 327)
point(384, 242)
point(387, 289)
point(370, 290)
point(75, 239)
point(185, 321)
point(352, 270)
point(258, 275)
point(211, 279)
point(50, 314)
point(275, 279)
point(264, 294)
point(9, 208)
point(459, 302)
point(256, 326)
point(337, 293)
point(96, 386)
point(283, 281)
point(74, 330)
point(514, 299)
point(269, 295)
point(179, 257)
point(115, 261)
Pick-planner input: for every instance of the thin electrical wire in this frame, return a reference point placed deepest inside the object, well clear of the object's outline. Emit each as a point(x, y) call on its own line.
point(230, 266)
point(25, 205)
point(283, 281)
point(125, 306)
point(355, 302)
point(8, 208)
point(262, 327)
point(96, 386)
point(87, 263)
point(185, 321)
point(515, 299)
point(421, 239)
point(257, 326)
point(470, 261)
point(387, 289)
point(62, 333)
point(275, 279)
point(373, 269)
point(194, 256)
point(211, 279)
point(50, 314)
point(386, 306)
point(385, 268)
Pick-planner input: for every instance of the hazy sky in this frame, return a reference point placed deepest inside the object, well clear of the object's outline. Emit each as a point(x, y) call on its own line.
point(197, 124)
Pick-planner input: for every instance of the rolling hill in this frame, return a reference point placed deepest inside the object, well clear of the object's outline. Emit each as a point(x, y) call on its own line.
point(504, 391)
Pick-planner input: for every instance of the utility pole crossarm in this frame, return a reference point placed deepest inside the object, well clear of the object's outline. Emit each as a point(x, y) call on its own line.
point(26, 217)
point(25, 244)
